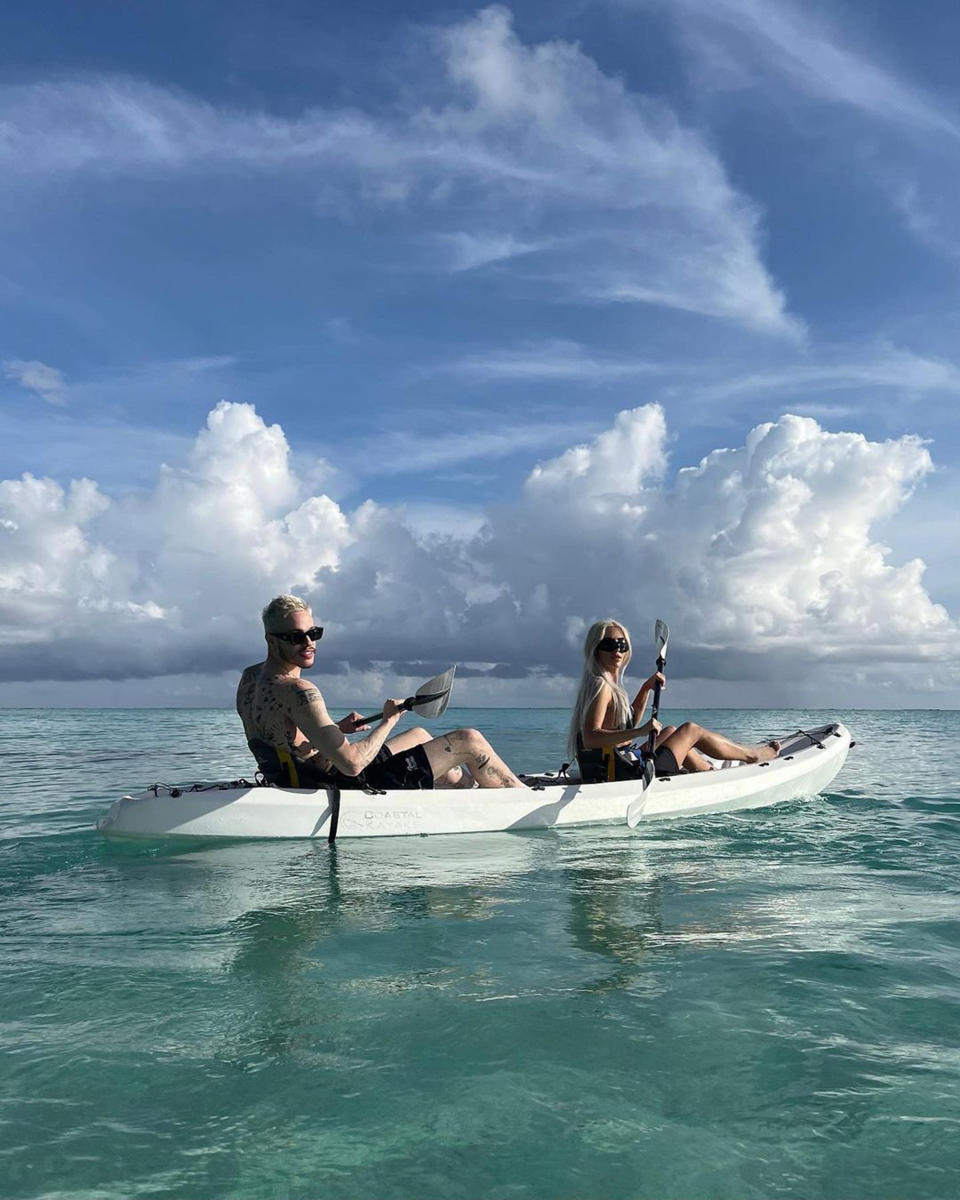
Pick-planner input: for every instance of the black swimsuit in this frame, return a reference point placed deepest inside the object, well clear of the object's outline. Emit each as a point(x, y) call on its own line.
point(610, 763)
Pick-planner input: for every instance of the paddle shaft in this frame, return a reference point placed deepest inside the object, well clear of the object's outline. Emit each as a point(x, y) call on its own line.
point(408, 705)
point(651, 742)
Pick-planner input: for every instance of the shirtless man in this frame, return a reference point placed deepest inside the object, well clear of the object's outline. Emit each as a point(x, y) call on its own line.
point(296, 741)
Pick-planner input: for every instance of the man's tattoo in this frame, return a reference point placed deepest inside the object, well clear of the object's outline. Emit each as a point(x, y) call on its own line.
point(307, 696)
point(482, 760)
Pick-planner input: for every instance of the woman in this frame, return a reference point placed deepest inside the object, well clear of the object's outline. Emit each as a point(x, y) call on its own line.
point(604, 719)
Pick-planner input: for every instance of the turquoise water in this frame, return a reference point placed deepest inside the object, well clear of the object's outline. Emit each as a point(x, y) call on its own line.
point(747, 1005)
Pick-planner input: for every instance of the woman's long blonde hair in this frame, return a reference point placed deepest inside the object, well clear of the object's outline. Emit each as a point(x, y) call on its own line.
point(593, 679)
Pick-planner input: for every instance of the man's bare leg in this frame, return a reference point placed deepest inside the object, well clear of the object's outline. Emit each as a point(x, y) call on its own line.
point(468, 747)
point(456, 777)
point(691, 736)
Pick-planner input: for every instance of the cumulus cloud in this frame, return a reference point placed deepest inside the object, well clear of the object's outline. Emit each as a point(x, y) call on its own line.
point(46, 382)
point(512, 156)
point(761, 556)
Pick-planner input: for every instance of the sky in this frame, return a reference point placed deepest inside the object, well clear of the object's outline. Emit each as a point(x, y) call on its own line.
point(473, 325)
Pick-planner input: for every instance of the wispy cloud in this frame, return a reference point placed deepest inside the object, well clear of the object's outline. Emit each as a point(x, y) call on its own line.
point(402, 453)
point(553, 361)
point(805, 52)
point(468, 251)
point(533, 151)
point(886, 368)
point(47, 382)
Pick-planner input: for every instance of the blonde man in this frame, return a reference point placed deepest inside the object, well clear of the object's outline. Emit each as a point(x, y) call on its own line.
point(297, 743)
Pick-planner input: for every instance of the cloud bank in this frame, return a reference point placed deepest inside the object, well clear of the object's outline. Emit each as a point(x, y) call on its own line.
point(761, 557)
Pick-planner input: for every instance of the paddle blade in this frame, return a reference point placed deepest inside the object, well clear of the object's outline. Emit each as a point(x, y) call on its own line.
point(639, 803)
point(661, 635)
point(433, 696)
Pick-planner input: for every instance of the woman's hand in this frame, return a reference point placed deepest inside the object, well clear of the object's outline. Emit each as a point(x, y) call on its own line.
point(652, 726)
point(655, 678)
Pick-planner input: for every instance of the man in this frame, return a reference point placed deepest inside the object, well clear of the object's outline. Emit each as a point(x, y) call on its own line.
point(296, 742)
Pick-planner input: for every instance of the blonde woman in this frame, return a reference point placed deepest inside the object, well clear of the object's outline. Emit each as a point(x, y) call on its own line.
point(604, 719)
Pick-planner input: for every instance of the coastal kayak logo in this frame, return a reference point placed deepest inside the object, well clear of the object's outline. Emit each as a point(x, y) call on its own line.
point(392, 814)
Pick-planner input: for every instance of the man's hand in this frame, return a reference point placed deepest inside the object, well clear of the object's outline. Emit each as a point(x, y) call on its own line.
point(393, 708)
point(352, 723)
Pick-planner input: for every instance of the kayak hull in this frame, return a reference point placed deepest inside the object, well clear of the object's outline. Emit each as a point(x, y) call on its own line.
point(806, 765)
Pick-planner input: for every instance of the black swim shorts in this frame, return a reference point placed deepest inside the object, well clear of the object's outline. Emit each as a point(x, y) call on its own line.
point(406, 769)
point(665, 762)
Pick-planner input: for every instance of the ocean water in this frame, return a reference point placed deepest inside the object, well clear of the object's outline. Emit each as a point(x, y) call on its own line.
point(761, 1004)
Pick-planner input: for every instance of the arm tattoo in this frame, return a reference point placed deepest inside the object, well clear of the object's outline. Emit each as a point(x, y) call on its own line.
point(307, 696)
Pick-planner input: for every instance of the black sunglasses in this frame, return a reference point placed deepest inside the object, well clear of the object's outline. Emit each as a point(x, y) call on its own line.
point(610, 644)
point(299, 637)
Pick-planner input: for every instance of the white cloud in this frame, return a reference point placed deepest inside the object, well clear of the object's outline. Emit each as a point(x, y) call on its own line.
point(807, 52)
point(882, 367)
point(616, 464)
point(47, 382)
point(833, 65)
point(468, 251)
point(401, 453)
point(48, 564)
point(761, 557)
point(555, 360)
point(534, 159)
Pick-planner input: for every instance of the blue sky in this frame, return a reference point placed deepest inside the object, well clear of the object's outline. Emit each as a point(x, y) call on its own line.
point(474, 324)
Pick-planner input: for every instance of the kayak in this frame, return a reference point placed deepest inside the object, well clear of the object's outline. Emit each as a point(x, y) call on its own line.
point(808, 761)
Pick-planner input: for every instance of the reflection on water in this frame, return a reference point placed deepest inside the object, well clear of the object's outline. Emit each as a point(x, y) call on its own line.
point(738, 1005)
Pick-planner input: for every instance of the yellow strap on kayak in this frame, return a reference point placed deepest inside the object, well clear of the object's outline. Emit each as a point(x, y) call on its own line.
point(287, 761)
point(610, 756)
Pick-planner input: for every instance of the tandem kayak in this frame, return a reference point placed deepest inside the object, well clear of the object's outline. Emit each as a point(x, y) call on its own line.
point(807, 762)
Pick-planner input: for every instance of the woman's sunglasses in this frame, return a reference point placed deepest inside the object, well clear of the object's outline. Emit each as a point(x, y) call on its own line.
point(299, 637)
point(610, 644)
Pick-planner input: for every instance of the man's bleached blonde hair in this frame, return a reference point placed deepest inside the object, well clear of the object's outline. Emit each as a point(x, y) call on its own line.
point(280, 610)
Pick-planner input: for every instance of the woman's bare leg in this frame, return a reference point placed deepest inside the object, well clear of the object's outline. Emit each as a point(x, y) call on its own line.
point(696, 762)
point(691, 736)
point(693, 761)
point(468, 747)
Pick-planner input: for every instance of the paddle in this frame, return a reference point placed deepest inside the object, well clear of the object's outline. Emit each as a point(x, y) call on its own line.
point(431, 698)
point(661, 635)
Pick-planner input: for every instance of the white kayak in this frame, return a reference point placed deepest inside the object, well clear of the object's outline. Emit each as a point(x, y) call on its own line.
point(807, 762)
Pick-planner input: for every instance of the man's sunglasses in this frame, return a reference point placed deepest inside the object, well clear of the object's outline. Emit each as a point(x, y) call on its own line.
point(299, 637)
point(610, 644)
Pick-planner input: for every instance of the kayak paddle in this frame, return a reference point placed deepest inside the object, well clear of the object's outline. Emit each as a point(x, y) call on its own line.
point(661, 635)
point(431, 698)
